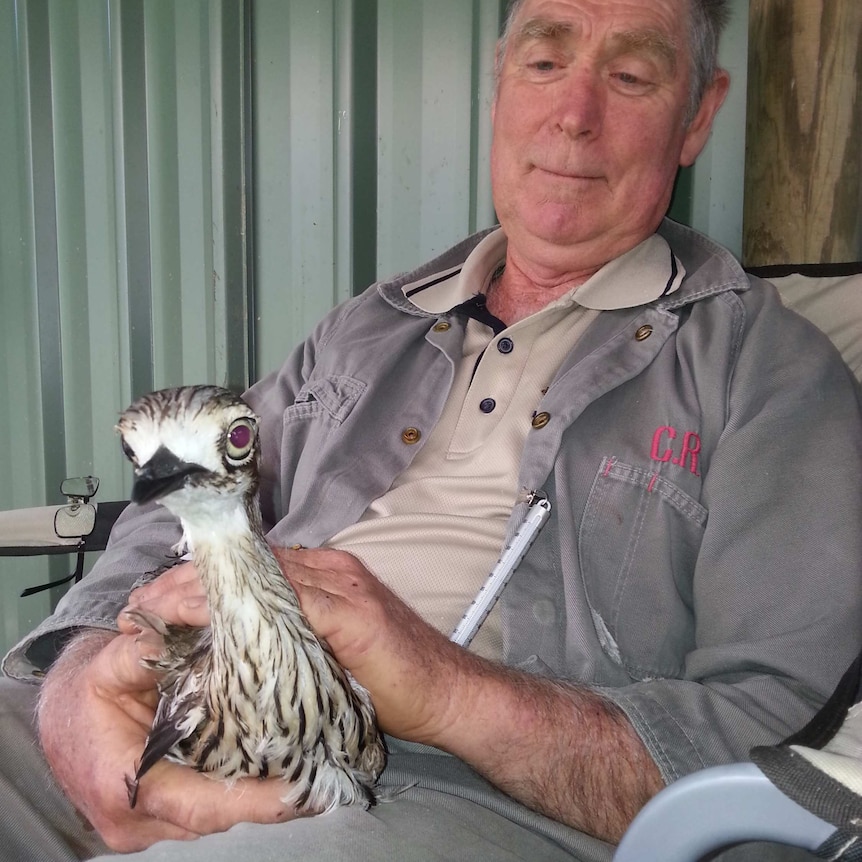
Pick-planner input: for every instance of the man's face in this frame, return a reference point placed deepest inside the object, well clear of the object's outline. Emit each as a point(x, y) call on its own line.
point(589, 125)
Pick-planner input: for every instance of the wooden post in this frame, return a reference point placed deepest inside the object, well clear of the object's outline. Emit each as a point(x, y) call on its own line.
point(803, 167)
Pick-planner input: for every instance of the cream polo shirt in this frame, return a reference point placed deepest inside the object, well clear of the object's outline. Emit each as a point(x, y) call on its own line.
point(435, 535)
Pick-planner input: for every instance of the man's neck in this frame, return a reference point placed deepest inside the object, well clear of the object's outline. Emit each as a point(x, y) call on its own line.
point(513, 295)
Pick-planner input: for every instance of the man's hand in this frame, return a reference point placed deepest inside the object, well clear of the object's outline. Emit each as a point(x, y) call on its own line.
point(406, 665)
point(371, 631)
point(560, 749)
point(96, 709)
point(176, 596)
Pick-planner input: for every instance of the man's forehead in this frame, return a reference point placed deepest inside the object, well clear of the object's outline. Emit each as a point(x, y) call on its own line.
point(635, 27)
point(559, 18)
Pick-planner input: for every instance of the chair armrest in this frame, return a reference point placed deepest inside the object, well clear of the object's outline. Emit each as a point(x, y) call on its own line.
point(715, 808)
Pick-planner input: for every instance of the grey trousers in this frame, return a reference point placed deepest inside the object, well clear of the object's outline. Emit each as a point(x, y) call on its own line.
point(451, 815)
point(36, 820)
point(424, 823)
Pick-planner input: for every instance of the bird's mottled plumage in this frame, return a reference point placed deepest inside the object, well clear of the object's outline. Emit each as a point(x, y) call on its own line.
point(256, 693)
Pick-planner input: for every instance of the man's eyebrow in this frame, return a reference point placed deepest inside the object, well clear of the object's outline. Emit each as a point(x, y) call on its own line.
point(646, 41)
point(653, 42)
point(542, 29)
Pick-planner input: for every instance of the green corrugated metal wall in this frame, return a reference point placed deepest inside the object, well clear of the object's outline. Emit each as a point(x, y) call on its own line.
point(375, 107)
point(189, 185)
point(122, 226)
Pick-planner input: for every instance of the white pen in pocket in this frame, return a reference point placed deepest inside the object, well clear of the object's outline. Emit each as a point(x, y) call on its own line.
point(536, 517)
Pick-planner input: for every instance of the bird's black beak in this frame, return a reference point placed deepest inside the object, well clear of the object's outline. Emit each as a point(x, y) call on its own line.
point(161, 475)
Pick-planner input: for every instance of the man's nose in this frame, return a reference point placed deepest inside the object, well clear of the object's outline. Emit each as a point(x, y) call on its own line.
point(580, 104)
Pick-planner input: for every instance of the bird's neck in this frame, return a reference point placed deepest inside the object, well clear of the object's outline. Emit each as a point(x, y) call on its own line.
point(233, 559)
point(217, 522)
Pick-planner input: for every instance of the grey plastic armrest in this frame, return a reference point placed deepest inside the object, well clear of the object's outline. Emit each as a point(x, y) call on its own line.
point(715, 808)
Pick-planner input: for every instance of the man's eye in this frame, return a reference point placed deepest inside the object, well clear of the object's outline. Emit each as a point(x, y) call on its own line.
point(629, 82)
point(542, 65)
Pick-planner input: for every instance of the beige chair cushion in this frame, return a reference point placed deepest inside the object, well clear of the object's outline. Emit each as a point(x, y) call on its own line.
point(834, 304)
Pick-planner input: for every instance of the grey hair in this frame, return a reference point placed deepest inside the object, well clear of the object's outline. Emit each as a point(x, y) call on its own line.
point(708, 19)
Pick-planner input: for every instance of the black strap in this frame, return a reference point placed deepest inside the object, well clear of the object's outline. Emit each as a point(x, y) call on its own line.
point(810, 270)
point(831, 715)
point(840, 847)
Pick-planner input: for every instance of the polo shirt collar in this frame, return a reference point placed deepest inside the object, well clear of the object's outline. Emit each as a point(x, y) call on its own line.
point(647, 272)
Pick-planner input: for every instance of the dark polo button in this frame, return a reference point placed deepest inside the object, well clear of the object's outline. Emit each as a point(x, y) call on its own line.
point(487, 405)
point(411, 436)
point(505, 345)
point(442, 326)
point(540, 420)
point(643, 332)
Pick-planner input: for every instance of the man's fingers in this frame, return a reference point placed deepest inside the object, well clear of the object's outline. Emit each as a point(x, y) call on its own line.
point(125, 837)
point(191, 610)
point(181, 579)
point(177, 596)
point(326, 569)
point(190, 800)
point(118, 666)
point(175, 802)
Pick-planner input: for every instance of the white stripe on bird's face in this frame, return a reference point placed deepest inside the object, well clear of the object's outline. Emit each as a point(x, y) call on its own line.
point(187, 438)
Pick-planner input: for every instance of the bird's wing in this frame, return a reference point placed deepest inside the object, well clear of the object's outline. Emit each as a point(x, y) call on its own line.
point(181, 710)
point(177, 718)
point(175, 721)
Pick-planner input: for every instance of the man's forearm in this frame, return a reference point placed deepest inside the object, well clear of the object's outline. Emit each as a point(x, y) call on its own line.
point(557, 748)
point(58, 701)
point(77, 653)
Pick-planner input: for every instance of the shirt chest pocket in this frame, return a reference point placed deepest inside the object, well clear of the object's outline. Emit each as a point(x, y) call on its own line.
point(310, 428)
point(637, 546)
point(329, 398)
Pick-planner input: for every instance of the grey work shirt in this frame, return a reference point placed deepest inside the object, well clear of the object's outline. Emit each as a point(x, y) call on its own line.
point(703, 455)
point(436, 533)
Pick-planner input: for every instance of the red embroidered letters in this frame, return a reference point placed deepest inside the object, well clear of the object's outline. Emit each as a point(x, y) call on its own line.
point(668, 445)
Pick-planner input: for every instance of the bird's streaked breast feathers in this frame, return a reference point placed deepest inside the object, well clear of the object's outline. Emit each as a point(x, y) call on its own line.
point(256, 694)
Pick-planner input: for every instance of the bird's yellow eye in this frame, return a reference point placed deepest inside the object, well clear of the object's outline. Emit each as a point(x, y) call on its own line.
point(239, 442)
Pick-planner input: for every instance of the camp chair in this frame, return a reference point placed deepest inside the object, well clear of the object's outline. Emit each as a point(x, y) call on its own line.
point(805, 792)
point(77, 527)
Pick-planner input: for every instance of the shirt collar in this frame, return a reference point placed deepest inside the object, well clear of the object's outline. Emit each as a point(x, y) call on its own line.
point(645, 273)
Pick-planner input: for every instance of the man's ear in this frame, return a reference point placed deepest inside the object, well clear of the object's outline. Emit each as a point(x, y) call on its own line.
point(698, 131)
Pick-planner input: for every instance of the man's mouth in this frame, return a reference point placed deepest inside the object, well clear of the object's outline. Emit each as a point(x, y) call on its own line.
point(568, 174)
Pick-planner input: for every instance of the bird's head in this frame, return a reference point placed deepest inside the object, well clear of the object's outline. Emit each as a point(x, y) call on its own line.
point(190, 443)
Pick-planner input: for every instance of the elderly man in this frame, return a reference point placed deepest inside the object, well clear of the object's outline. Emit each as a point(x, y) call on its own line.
point(696, 591)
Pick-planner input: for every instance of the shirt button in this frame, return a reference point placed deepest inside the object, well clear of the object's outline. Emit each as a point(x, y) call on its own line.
point(487, 405)
point(411, 436)
point(540, 420)
point(643, 332)
point(442, 326)
point(505, 345)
